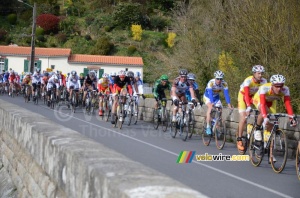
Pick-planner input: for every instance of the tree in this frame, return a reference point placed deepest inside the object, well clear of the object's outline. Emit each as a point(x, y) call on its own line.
point(48, 22)
point(136, 32)
point(126, 14)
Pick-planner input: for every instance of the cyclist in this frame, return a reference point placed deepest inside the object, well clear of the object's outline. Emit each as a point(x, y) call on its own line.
point(265, 100)
point(44, 82)
point(52, 83)
point(159, 88)
point(73, 85)
point(11, 80)
point(103, 88)
point(247, 90)
point(36, 81)
point(26, 81)
point(179, 87)
point(81, 79)
point(211, 95)
point(121, 81)
point(90, 82)
point(192, 80)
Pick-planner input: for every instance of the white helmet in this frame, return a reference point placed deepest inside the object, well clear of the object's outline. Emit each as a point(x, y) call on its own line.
point(219, 74)
point(122, 73)
point(277, 79)
point(113, 74)
point(191, 76)
point(105, 75)
point(258, 68)
point(137, 74)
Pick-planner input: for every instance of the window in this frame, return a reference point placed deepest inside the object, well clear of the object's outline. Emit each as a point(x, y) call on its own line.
point(52, 66)
point(1, 64)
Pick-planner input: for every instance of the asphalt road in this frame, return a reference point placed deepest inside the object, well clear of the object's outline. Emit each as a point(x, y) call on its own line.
point(159, 151)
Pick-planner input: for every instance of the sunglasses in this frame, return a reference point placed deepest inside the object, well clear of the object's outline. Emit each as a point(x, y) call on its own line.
point(278, 86)
point(219, 78)
point(164, 81)
point(183, 76)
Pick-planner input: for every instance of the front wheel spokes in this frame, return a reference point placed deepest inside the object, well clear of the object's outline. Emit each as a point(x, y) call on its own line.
point(278, 151)
point(155, 118)
point(255, 153)
point(219, 130)
point(184, 128)
point(191, 123)
point(206, 138)
point(164, 120)
point(173, 127)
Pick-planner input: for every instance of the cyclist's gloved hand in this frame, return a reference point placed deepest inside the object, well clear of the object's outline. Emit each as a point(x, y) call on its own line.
point(201, 103)
point(194, 101)
point(248, 109)
point(294, 121)
point(266, 121)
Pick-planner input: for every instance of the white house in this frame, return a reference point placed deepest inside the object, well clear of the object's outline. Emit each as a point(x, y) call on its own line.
point(61, 59)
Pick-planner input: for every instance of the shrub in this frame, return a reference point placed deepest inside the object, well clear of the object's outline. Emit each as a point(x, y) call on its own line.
point(103, 46)
point(107, 28)
point(12, 19)
point(137, 32)
point(48, 22)
point(3, 34)
point(171, 39)
point(41, 38)
point(88, 37)
point(131, 49)
point(61, 37)
point(126, 14)
point(39, 31)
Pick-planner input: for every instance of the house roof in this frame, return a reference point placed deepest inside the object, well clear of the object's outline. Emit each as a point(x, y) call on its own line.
point(72, 58)
point(16, 50)
point(116, 60)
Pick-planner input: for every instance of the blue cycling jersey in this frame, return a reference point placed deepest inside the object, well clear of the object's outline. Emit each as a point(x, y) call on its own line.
point(188, 93)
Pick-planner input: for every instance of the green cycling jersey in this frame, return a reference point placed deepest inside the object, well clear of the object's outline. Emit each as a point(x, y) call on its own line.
point(159, 87)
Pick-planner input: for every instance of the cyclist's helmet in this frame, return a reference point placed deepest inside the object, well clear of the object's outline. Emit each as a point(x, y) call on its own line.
point(28, 73)
point(277, 79)
point(191, 76)
point(183, 72)
point(164, 77)
point(37, 70)
point(81, 74)
point(130, 74)
point(16, 73)
point(105, 75)
point(92, 74)
point(12, 71)
point(137, 74)
point(219, 74)
point(113, 74)
point(122, 73)
point(258, 68)
point(46, 74)
point(73, 73)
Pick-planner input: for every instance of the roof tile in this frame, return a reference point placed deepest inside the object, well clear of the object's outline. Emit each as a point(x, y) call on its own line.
point(16, 50)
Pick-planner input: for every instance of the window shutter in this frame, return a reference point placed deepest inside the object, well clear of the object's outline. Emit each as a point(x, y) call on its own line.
point(39, 64)
point(26, 62)
point(85, 71)
point(101, 71)
point(6, 64)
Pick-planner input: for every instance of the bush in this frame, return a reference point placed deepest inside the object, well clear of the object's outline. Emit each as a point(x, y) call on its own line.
point(3, 34)
point(102, 47)
point(107, 28)
point(41, 38)
point(61, 37)
point(39, 31)
point(12, 19)
point(126, 14)
point(131, 49)
point(88, 37)
point(48, 22)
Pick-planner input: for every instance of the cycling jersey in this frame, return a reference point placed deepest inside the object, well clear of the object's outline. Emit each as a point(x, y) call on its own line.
point(265, 97)
point(158, 89)
point(195, 88)
point(90, 82)
point(212, 91)
point(181, 87)
point(103, 84)
point(119, 84)
point(74, 82)
point(27, 80)
point(11, 78)
point(36, 78)
point(249, 87)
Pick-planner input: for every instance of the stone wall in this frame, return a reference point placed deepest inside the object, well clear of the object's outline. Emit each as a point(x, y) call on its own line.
point(44, 159)
point(147, 105)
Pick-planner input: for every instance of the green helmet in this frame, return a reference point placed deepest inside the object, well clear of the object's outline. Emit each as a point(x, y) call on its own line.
point(164, 77)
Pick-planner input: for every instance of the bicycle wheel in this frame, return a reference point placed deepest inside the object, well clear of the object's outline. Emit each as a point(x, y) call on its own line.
point(73, 107)
point(278, 151)
point(219, 130)
point(121, 116)
point(164, 119)
point(184, 128)
point(205, 137)
point(253, 149)
point(129, 114)
point(173, 127)
point(155, 118)
point(135, 113)
point(298, 161)
point(191, 124)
